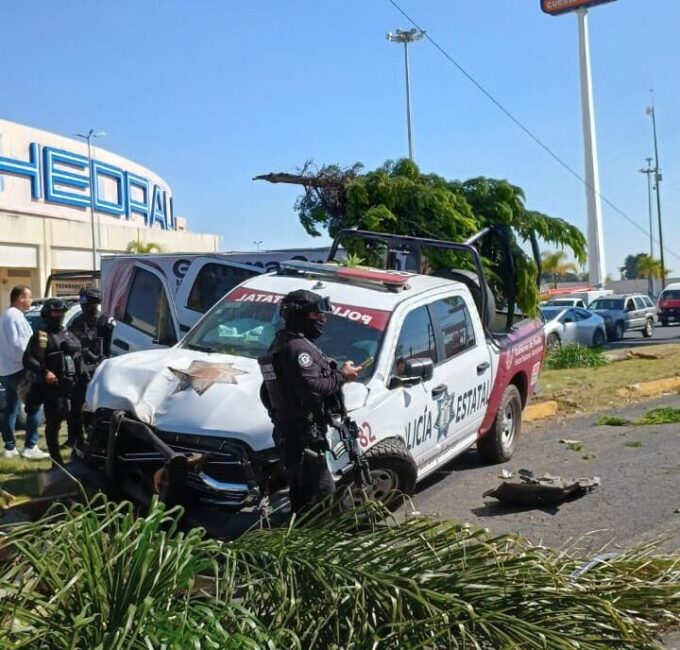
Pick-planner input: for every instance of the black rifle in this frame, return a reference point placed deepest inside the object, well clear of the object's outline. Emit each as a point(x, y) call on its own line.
point(349, 436)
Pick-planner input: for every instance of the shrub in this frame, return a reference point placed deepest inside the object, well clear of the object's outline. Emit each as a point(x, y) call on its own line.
point(575, 356)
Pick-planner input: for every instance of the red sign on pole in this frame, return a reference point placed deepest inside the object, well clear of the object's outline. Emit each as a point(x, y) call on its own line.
point(556, 7)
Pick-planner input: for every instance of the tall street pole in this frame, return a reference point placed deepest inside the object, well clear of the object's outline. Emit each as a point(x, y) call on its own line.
point(651, 110)
point(88, 137)
point(406, 37)
point(648, 172)
point(596, 262)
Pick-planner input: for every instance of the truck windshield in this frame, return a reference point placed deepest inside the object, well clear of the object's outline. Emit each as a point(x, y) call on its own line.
point(670, 294)
point(244, 324)
point(607, 303)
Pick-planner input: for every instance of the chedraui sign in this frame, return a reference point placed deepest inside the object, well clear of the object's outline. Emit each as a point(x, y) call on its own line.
point(70, 179)
point(556, 7)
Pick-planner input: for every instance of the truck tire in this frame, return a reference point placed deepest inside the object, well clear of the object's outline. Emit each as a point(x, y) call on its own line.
point(648, 331)
point(393, 472)
point(619, 329)
point(664, 322)
point(498, 444)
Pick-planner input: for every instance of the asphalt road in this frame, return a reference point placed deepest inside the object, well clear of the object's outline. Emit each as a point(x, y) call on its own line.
point(639, 497)
point(670, 334)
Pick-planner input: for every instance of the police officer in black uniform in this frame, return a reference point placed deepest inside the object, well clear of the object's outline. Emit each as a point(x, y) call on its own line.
point(300, 383)
point(53, 357)
point(93, 329)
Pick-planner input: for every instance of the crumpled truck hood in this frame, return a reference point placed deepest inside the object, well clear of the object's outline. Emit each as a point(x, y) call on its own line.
point(186, 391)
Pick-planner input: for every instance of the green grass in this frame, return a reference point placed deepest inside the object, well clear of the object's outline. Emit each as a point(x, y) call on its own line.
point(612, 421)
point(633, 444)
point(19, 476)
point(575, 356)
point(595, 389)
point(661, 415)
point(98, 576)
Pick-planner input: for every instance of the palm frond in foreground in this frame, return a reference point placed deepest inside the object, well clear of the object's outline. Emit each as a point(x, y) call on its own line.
point(97, 576)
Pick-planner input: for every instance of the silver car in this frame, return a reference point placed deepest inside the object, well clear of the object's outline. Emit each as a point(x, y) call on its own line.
point(564, 326)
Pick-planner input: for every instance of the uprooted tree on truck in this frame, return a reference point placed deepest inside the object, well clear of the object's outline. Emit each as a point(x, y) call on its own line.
point(399, 199)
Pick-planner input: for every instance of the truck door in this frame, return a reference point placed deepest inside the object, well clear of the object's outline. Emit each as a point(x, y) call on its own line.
point(149, 318)
point(464, 370)
point(205, 282)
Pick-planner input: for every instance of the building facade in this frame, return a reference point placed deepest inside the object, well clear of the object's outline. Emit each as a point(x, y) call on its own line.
point(58, 206)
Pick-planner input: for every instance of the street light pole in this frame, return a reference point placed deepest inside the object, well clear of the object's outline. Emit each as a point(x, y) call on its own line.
point(651, 110)
point(649, 171)
point(91, 134)
point(406, 37)
point(257, 243)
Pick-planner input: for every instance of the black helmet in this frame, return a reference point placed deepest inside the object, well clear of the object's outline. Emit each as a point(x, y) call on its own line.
point(303, 301)
point(90, 295)
point(53, 304)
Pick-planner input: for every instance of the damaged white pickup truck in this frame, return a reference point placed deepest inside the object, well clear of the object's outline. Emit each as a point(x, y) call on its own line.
point(444, 377)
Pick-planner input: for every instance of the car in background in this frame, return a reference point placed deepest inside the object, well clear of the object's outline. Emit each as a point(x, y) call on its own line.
point(626, 313)
point(569, 325)
point(565, 302)
point(668, 304)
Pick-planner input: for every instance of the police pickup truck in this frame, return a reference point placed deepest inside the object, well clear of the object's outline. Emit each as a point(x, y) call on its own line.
point(440, 376)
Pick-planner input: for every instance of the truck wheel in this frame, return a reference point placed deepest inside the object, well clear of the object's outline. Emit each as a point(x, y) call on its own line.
point(664, 322)
point(598, 338)
point(393, 475)
point(498, 444)
point(553, 342)
point(649, 329)
point(618, 331)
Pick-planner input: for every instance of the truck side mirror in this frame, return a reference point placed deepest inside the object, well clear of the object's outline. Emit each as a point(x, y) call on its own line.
point(413, 371)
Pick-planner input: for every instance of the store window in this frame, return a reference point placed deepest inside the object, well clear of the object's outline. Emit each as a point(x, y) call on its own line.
point(214, 281)
point(148, 310)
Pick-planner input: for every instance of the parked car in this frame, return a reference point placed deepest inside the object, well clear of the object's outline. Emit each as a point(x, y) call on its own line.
point(669, 304)
point(564, 326)
point(565, 302)
point(626, 313)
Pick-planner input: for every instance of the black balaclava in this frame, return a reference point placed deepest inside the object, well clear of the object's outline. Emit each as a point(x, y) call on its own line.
point(54, 321)
point(301, 323)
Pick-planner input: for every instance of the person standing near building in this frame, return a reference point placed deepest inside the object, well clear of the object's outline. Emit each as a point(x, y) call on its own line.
point(299, 383)
point(53, 357)
point(93, 329)
point(15, 333)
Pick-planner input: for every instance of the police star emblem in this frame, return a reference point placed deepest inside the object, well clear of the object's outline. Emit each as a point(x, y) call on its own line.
point(445, 415)
point(201, 375)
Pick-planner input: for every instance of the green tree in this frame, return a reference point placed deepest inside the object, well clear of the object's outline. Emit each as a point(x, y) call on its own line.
point(629, 270)
point(138, 246)
point(649, 267)
point(555, 266)
point(398, 198)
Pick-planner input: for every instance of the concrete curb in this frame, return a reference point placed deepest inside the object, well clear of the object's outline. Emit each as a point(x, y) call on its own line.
point(651, 388)
point(540, 410)
point(654, 388)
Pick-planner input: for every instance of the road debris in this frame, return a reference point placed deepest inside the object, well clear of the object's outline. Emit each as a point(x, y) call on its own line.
point(544, 490)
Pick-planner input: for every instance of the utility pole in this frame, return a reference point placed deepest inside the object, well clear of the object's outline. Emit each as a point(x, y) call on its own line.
point(406, 37)
point(651, 110)
point(649, 171)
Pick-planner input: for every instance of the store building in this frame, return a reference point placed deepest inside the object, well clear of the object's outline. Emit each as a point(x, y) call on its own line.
point(55, 200)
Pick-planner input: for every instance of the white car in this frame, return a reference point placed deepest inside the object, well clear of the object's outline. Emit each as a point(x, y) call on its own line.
point(569, 325)
point(565, 302)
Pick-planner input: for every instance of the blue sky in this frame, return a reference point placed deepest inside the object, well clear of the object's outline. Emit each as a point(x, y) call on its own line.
point(209, 93)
